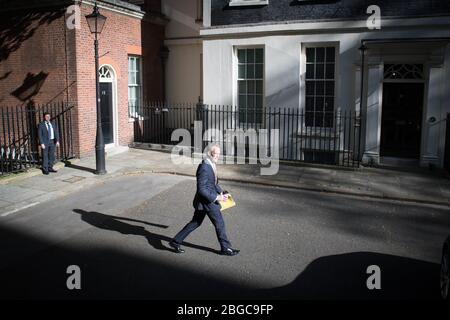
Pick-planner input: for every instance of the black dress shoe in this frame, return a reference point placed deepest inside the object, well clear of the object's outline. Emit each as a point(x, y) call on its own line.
point(45, 172)
point(176, 247)
point(52, 170)
point(229, 252)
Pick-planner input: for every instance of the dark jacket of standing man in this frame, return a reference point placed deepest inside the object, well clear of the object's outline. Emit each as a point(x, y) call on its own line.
point(48, 139)
point(206, 204)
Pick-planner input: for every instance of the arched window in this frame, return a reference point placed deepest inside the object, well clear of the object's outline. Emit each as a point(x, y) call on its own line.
point(105, 74)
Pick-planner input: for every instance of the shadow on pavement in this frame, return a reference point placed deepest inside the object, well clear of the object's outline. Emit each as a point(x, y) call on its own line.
point(77, 167)
point(113, 223)
point(344, 276)
point(34, 268)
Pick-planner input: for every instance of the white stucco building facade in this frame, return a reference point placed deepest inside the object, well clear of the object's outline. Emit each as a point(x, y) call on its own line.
point(183, 81)
point(406, 76)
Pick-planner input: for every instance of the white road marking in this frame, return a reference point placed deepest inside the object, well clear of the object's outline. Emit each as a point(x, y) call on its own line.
point(18, 209)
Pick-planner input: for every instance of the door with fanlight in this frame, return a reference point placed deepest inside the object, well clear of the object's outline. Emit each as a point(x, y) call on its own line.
point(107, 104)
point(401, 120)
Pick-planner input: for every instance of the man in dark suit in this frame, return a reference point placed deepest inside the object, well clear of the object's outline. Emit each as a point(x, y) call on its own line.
point(206, 202)
point(49, 139)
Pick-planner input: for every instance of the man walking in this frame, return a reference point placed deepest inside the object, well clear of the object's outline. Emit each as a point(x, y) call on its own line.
point(49, 139)
point(206, 202)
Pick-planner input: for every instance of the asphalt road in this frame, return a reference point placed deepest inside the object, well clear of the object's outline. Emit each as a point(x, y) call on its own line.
point(294, 245)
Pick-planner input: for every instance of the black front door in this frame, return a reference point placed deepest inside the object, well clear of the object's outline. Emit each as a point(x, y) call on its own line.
point(401, 121)
point(106, 112)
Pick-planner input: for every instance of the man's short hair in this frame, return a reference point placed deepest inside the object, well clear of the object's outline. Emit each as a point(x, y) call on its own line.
point(46, 113)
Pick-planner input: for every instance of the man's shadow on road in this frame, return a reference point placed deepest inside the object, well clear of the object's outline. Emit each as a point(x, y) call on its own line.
point(114, 223)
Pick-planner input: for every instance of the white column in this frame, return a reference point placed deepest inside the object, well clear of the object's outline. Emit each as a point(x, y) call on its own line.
point(432, 122)
point(372, 112)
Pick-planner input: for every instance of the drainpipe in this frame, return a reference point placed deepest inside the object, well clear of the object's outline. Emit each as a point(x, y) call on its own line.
point(164, 56)
point(362, 49)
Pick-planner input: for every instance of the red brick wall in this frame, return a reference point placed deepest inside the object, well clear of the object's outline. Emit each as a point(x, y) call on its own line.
point(37, 64)
point(39, 54)
point(121, 36)
point(33, 55)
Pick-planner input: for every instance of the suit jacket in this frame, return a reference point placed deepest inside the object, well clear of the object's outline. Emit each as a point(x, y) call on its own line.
point(44, 134)
point(207, 189)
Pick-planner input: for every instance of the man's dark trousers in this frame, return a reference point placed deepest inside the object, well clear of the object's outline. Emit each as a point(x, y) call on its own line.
point(217, 220)
point(48, 156)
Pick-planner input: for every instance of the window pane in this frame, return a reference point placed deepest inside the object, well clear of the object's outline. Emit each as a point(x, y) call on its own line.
point(329, 104)
point(320, 88)
point(251, 87)
point(259, 71)
point(309, 103)
point(310, 71)
point(132, 93)
point(320, 54)
point(259, 86)
point(242, 56)
point(241, 68)
point(259, 102)
point(132, 78)
point(138, 78)
point(310, 88)
point(329, 71)
point(318, 121)
point(251, 102)
point(319, 103)
point(330, 54)
point(250, 71)
point(329, 88)
point(242, 101)
point(259, 56)
point(309, 119)
point(242, 84)
point(250, 55)
point(328, 120)
point(310, 52)
point(320, 71)
point(259, 107)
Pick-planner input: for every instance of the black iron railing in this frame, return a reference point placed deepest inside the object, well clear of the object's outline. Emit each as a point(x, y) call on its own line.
point(19, 145)
point(335, 141)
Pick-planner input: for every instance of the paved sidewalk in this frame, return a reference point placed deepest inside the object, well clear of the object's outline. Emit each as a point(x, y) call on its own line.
point(31, 188)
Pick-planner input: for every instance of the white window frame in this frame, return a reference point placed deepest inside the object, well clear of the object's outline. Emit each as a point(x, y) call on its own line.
point(236, 80)
point(235, 3)
point(304, 46)
point(139, 85)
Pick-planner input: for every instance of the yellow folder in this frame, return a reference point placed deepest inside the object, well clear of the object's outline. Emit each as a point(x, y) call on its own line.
point(227, 204)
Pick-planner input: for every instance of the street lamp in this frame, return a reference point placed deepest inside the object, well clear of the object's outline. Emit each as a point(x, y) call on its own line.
point(96, 21)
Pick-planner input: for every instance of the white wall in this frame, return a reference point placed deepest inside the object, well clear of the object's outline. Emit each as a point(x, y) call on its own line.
point(183, 69)
point(183, 78)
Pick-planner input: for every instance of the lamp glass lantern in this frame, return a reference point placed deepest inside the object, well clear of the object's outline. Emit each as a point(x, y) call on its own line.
point(96, 21)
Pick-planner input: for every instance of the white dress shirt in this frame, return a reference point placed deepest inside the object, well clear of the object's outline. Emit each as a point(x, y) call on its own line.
point(50, 130)
point(213, 165)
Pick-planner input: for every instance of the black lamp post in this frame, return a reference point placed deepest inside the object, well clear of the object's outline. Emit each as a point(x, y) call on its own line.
point(96, 21)
point(362, 50)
